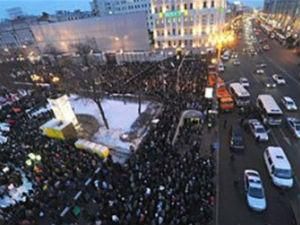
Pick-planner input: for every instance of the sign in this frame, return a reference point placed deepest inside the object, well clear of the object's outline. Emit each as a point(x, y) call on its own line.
point(171, 14)
point(62, 109)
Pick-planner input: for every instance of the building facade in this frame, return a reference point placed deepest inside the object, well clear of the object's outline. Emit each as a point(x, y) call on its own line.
point(112, 7)
point(16, 33)
point(283, 15)
point(187, 24)
point(116, 33)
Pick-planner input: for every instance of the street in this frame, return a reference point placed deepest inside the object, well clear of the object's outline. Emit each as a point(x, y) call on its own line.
point(233, 208)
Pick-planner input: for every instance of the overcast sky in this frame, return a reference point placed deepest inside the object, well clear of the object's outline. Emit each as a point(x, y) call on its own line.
point(36, 7)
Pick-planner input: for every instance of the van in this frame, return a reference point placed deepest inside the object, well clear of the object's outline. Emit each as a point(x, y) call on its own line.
point(278, 166)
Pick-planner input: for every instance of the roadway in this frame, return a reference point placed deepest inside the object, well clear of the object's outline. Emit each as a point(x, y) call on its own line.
point(232, 207)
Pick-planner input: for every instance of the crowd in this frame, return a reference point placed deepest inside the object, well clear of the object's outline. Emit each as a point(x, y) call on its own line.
point(157, 185)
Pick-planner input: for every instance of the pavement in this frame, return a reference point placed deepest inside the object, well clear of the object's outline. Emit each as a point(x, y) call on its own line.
point(282, 206)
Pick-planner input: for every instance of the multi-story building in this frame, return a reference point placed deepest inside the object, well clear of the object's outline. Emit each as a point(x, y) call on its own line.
point(187, 24)
point(111, 7)
point(17, 32)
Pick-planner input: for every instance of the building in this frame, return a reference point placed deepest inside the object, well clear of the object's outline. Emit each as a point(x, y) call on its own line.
point(17, 32)
point(115, 33)
point(14, 13)
point(282, 13)
point(187, 24)
point(63, 15)
point(112, 7)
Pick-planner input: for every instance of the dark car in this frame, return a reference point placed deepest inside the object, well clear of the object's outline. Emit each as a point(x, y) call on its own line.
point(236, 138)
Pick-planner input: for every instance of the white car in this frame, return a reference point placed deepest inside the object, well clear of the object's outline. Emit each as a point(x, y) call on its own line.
point(294, 126)
point(278, 79)
point(259, 71)
point(254, 190)
point(236, 62)
point(221, 67)
point(258, 130)
point(289, 103)
point(244, 82)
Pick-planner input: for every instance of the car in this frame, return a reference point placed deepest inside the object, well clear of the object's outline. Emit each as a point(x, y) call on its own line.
point(236, 138)
point(289, 103)
point(261, 65)
point(269, 83)
point(259, 71)
point(266, 47)
point(236, 62)
point(254, 190)
point(278, 166)
point(221, 67)
point(258, 130)
point(278, 79)
point(234, 56)
point(294, 126)
point(244, 82)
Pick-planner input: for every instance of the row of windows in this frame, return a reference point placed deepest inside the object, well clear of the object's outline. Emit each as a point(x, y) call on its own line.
point(178, 43)
point(178, 32)
point(185, 7)
point(203, 18)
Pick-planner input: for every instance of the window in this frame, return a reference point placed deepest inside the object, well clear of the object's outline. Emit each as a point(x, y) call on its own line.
point(204, 20)
point(185, 42)
point(191, 5)
point(191, 31)
point(213, 4)
point(179, 32)
point(158, 43)
point(169, 43)
point(270, 161)
point(173, 7)
point(204, 5)
point(185, 6)
point(160, 9)
point(174, 31)
point(179, 42)
point(212, 18)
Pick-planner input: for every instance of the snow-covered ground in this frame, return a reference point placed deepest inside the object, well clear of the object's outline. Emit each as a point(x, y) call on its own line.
point(126, 126)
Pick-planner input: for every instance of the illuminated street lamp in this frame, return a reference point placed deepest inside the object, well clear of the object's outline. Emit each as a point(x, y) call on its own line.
point(33, 159)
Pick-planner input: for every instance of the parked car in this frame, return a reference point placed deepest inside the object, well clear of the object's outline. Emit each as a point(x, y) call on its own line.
point(236, 138)
point(254, 190)
point(244, 82)
point(4, 127)
point(294, 126)
point(258, 130)
point(278, 166)
point(289, 103)
point(278, 79)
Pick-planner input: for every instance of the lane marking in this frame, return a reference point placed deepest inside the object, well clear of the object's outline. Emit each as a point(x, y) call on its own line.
point(285, 137)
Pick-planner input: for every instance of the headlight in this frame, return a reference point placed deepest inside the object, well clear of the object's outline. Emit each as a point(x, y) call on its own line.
point(268, 85)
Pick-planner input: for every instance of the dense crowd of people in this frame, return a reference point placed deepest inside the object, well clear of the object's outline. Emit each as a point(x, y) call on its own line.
point(157, 185)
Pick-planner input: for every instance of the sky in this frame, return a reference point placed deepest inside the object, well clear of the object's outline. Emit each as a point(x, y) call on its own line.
point(36, 7)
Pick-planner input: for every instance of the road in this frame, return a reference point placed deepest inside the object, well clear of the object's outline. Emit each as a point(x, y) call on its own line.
point(233, 209)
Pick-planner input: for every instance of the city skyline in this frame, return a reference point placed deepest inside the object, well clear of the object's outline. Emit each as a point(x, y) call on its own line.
point(34, 7)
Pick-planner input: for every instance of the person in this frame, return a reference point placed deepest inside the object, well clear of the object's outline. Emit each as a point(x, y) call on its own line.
point(225, 124)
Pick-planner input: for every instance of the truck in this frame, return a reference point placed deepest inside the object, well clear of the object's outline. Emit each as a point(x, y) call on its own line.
point(225, 100)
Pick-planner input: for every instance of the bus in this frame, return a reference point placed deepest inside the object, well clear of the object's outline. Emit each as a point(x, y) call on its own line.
point(270, 112)
point(240, 94)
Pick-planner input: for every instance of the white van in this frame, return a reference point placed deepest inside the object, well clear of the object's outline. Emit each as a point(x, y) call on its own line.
point(278, 167)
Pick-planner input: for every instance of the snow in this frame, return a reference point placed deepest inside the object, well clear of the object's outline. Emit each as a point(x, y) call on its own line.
point(85, 106)
point(121, 114)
